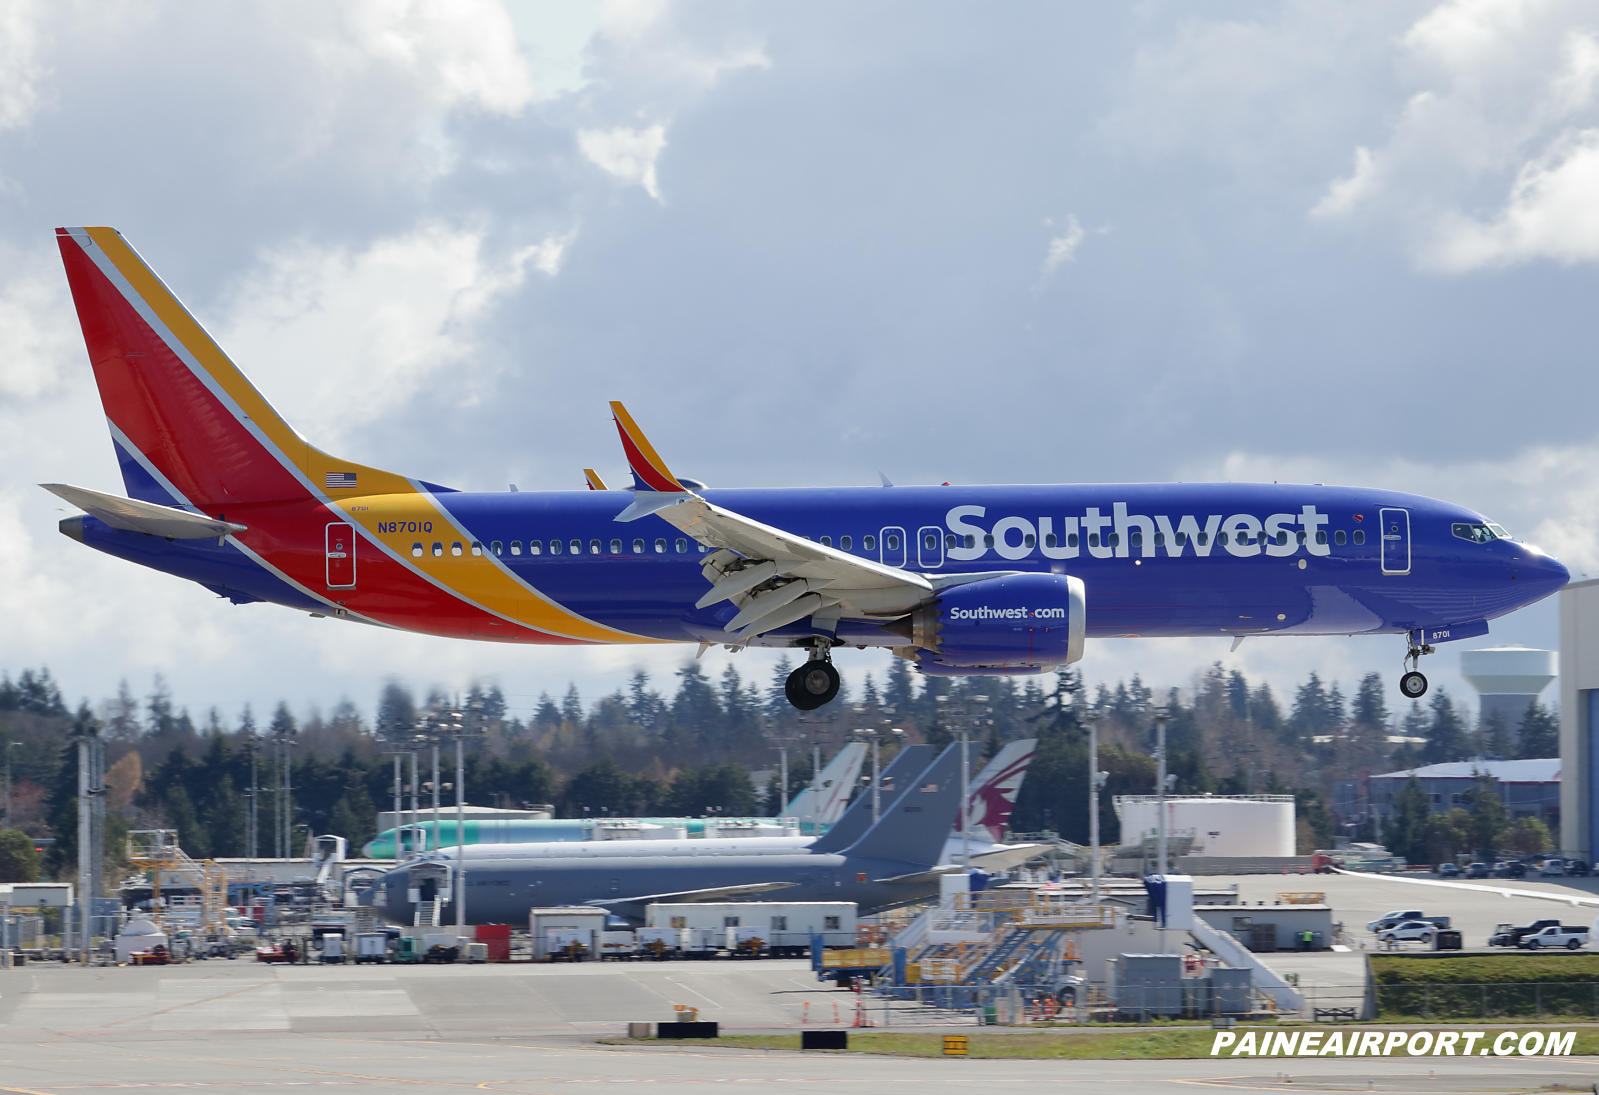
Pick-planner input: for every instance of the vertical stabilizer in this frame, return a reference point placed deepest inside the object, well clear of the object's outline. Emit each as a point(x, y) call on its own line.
point(189, 427)
point(994, 791)
point(833, 784)
point(913, 829)
point(858, 818)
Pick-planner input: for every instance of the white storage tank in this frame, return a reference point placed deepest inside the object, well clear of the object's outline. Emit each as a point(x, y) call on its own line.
point(1220, 825)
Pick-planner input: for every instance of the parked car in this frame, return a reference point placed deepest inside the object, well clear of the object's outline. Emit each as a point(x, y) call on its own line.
point(1511, 935)
point(1570, 936)
point(1476, 870)
point(1510, 868)
point(1448, 870)
point(1394, 919)
point(1554, 867)
point(1417, 931)
point(1579, 867)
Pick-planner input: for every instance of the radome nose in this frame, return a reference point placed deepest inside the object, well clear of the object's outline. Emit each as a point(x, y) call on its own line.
point(1553, 572)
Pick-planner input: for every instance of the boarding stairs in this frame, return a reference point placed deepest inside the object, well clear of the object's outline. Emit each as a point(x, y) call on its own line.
point(427, 914)
point(157, 851)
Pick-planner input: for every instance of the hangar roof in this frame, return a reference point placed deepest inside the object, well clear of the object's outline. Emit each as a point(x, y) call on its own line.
point(1506, 771)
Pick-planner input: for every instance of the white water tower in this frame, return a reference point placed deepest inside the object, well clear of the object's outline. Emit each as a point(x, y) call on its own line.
point(1508, 679)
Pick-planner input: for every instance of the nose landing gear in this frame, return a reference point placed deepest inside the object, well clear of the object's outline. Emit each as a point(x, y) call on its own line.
point(815, 683)
point(1413, 685)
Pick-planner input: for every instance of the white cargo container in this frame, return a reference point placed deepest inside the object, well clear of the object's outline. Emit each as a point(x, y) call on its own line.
point(554, 929)
point(671, 941)
point(785, 926)
point(617, 944)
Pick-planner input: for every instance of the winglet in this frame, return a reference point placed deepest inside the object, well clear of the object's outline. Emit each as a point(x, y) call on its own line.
point(595, 482)
point(649, 470)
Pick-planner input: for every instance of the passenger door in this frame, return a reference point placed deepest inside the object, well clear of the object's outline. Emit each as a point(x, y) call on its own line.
point(341, 556)
point(891, 547)
point(1395, 533)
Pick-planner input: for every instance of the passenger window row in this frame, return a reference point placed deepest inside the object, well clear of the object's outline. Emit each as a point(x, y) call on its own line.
point(661, 546)
point(680, 545)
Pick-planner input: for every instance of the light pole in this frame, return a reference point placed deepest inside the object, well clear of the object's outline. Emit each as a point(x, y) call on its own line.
point(1096, 780)
point(876, 737)
point(10, 746)
point(1161, 716)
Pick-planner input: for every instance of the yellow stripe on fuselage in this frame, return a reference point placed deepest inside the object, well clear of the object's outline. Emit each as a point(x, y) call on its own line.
point(481, 579)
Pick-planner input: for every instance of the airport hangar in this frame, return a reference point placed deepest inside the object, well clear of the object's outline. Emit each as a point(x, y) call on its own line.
point(1579, 718)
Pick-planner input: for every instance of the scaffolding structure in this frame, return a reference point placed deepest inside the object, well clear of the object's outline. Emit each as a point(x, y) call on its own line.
point(999, 937)
point(157, 851)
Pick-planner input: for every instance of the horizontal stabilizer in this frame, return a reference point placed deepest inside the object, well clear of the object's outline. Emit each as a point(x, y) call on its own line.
point(998, 860)
point(1012, 855)
point(146, 517)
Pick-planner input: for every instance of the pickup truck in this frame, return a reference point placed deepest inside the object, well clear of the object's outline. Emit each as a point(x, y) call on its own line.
point(1511, 935)
point(1398, 916)
point(1418, 931)
point(1570, 936)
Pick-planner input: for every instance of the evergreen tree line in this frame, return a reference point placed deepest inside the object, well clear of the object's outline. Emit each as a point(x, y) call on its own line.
point(640, 751)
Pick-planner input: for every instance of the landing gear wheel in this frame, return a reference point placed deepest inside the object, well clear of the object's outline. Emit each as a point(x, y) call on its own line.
point(812, 685)
point(1413, 685)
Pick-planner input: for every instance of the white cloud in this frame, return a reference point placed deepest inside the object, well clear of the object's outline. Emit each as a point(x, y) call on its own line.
point(463, 51)
point(22, 73)
point(1552, 213)
point(40, 328)
point(1063, 248)
point(1345, 194)
point(629, 154)
point(1494, 158)
point(315, 324)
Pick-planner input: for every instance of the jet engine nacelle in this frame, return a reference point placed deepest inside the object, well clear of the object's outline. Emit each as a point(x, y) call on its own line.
point(1020, 621)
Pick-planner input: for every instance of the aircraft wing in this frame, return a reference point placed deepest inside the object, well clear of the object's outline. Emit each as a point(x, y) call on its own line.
point(131, 515)
point(1573, 900)
point(774, 577)
point(692, 897)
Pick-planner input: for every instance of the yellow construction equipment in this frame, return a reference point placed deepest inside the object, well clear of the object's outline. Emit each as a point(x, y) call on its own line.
point(157, 851)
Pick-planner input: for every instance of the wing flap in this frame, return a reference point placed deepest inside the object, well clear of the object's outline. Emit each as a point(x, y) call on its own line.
point(131, 515)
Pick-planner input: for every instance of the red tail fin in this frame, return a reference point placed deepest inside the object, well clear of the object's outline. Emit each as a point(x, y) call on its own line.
point(188, 425)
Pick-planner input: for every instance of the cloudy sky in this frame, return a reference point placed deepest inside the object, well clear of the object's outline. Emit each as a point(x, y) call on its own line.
point(1030, 242)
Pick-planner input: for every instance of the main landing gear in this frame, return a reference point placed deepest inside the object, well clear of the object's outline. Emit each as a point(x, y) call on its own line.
point(816, 682)
point(1413, 685)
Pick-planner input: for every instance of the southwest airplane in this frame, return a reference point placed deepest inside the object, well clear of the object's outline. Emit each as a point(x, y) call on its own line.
point(961, 580)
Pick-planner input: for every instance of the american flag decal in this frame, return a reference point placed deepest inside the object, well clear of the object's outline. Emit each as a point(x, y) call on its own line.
point(340, 480)
point(929, 788)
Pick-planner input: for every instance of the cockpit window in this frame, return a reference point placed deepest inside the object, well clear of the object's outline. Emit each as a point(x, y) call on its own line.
point(1479, 534)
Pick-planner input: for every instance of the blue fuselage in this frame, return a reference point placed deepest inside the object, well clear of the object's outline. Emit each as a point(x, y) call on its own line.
point(1155, 559)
